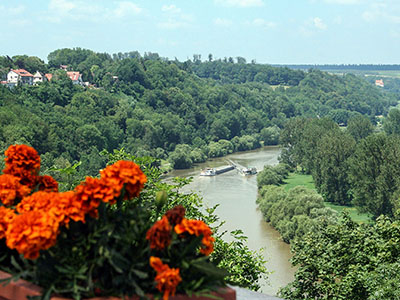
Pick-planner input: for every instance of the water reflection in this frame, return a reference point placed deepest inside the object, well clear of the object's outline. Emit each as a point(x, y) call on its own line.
point(236, 196)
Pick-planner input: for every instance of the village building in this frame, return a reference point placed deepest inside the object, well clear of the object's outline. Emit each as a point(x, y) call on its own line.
point(20, 76)
point(379, 82)
point(38, 78)
point(48, 76)
point(76, 77)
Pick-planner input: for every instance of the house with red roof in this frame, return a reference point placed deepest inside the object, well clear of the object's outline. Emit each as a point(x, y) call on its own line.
point(48, 76)
point(379, 82)
point(19, 76)
point(76, 77)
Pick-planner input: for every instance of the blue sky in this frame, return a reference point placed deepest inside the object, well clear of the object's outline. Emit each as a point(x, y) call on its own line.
point(269, 31)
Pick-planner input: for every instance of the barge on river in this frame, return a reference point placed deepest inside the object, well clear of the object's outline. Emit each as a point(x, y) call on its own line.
point(216, 171)
point(248, 171)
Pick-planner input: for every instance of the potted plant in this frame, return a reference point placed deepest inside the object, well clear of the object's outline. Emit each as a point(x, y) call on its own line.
point(100, 239)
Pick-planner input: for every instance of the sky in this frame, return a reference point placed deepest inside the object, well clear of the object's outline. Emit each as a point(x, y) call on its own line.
point(267, 31)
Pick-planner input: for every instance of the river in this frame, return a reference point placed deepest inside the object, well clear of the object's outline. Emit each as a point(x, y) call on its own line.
point(236, 196)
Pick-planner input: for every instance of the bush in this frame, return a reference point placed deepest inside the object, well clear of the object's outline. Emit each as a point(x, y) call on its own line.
point(273, 175)
point(295, 212)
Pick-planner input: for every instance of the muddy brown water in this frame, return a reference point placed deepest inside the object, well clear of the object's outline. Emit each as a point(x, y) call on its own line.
point(236, 195)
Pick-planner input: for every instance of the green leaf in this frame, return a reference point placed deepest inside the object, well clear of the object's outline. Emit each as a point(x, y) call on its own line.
point(209, 269)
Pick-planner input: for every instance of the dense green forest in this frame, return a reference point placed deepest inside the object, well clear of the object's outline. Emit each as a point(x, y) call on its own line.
point(183, 112)
point(338, 258)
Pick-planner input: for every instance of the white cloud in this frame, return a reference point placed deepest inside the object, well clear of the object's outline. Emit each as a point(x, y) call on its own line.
point(240, 3)
point(126, 8)
point(171, 8)
point(381, 12)
point(318, 23)
point(223, 22)
point(174, 18)
point(312, 26)
point(82, 10)
point(61, 6)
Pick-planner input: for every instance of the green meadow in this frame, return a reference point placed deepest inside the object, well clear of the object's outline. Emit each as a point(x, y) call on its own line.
point(296, 179)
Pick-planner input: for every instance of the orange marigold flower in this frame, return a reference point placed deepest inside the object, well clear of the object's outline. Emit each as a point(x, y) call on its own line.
point(159, 234)
point(157, 264)
point(175, 215)
point(47, 184)
point(197, 228)
point(11, 189)
point(31, 232)
point(37, 201)
point(24, 162)
point(91, 192)
point(62, 206)
point(7, 215)
point(69, 207)
point(167, 278)
point(208, 245)
point(124, 174)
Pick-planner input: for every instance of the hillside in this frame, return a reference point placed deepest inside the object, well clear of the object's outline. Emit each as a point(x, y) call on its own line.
point(167, 109)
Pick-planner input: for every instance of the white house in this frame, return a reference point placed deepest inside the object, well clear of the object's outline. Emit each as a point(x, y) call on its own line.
point(38, 78)
point(15, 77)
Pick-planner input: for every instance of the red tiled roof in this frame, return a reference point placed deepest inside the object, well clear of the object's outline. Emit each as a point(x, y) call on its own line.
point(379, 82)
point(48, 76)
point(23, 73)
point(74, 75)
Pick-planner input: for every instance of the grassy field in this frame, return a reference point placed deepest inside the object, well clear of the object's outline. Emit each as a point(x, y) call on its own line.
point(296, 179)
point(382, 73)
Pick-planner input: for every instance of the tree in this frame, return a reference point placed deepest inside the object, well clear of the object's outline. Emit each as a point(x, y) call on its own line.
point(313, 132)
point(359, 127)
point(218, 130)
point(347, 261)
point(241, 60)
point(268, 176)
point(391, 124)
point(130, 71)
point(333, 151)
point(290, 138)
point(180, 157)
point(374, 173)
point(270, 135)
point(30, 63)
